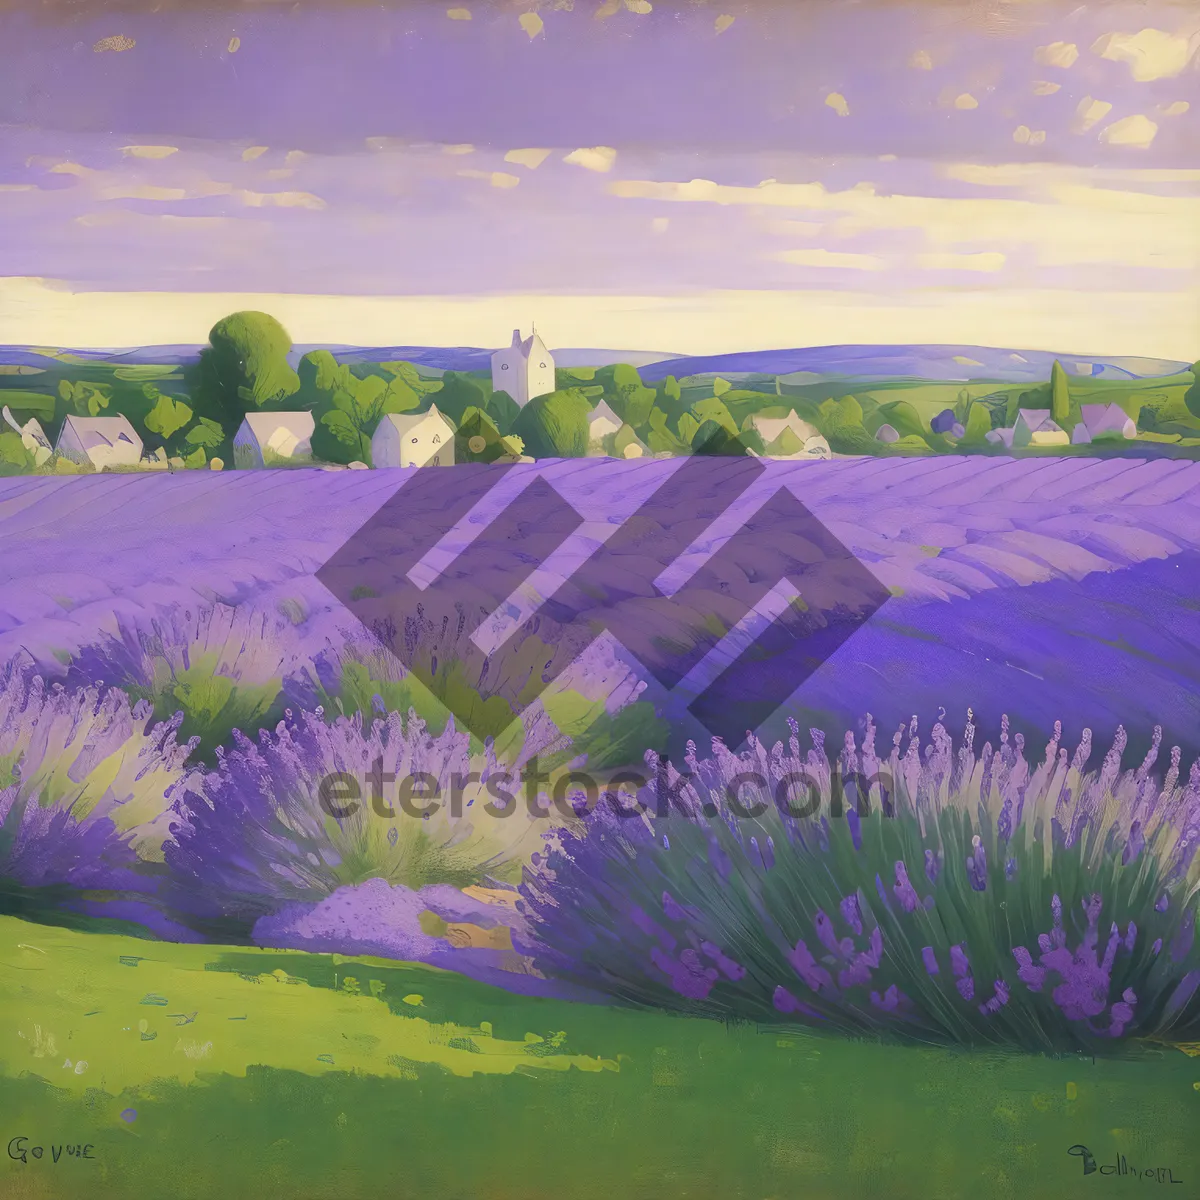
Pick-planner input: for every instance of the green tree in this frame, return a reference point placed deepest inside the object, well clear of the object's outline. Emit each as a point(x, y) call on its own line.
point(244, 368)
point(459, 393)
point(14, 458)
point(714, 437)
point(168, 416)
point(1192, 396)
point(84, 399)
point(503, 410)
point(1060, 395)
point(979, 424)
point(660, 437)
point(843, 427)
point(555, 425)
point(631, 399)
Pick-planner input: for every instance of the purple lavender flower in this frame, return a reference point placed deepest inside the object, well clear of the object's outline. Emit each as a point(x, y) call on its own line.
point(725, 964)
point(852, 913)
point(86, 783)
point(689, 977)
point(905, 892)
point(998, 1001)
point(977, 865)
point(807, 968)
point(930, 960)
point(932, 866)
point(1030, 975)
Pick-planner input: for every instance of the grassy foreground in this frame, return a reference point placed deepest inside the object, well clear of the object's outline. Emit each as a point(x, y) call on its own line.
point(195, 1071)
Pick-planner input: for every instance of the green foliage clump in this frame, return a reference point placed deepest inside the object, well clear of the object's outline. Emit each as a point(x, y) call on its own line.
point(555, 425)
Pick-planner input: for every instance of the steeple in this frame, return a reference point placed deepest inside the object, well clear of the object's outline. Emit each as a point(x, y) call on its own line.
point(516, 337)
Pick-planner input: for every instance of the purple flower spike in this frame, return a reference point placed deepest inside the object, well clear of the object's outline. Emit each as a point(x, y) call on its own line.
point(689, 977)
point(1010, 869)
point(1163, 903)
point(1181, 944)
point(890, 1001)
point(1030, 975)
point(930, 959)
point(905, 892)
point(786, 1003)
point(807, 968)
point(998, 1001)
point(1156, 949)
point(852, 914)
point(855, 823)
point(672, 909)
point(959, 963)
point(725, 964)
point(977, 865)
point(932, 867)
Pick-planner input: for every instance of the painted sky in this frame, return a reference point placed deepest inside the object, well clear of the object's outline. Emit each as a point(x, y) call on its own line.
point(677, 176)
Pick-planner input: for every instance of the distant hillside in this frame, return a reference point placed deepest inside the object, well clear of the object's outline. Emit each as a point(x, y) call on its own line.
point(435, 358)
point(948, 363)
point(806, 364)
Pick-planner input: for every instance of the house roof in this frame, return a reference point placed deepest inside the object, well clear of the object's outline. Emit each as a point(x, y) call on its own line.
point(1103, 418)
point(1038, 420)
point(95, 433)
point(264, 425)
point(603, 413)
point(403, 422)
point(769, 428)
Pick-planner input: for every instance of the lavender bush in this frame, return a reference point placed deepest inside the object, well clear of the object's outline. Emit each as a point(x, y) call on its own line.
point(222, 667)
point(591, 712)
point(86, 783)
point(253, 836)
point(959, 897)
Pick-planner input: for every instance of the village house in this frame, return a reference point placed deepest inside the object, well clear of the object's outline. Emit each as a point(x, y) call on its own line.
point(523, 370)
point(99, 441)
point(602, 421)
point(1097, 420)
point(265, 438)
point(772, 428)
point(413, 440)
point(1035, 427)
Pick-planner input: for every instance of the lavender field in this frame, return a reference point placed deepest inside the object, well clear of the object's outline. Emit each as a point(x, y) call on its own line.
point(180, 683)
point(1047, 590)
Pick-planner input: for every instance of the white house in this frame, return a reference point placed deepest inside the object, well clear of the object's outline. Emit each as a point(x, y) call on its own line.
point(100, 441)
point(523, 370)
point(1000, 437)
point(770, 428)
point(265, 437)
point(1097, 419)
point(413, 440)
point(1034, 427)
point(815, 447)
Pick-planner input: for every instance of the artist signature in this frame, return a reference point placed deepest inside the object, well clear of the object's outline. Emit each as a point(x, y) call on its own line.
point(1121, 1167)
point(20, 1150)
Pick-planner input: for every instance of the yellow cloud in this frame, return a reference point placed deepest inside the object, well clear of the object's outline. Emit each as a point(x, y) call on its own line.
point(531, 23)
point(253, 152)
point(530, 158)
point(1130, 131)
point(987, 262)
point(1089, 113)
point(641, 7)
point(837, 102)
point(1042, 87)
point(595, 158)
point(1024, 136)
point(829, 258)
point(1067, 223)
point(723, 22)
point(1175, 109)
point(149, 151)
point(459, 14)
point(279, 199)
point(660, 224)
point(235, 44)
point(140, 191)
point(921, 61)
point(498, 179)
point(965, 101)
point(462, 148)
point(1057, 54)
point(1151, 54)
point(118, 43)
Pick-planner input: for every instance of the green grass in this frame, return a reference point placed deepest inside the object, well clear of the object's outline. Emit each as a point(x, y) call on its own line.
point(262, 1074)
